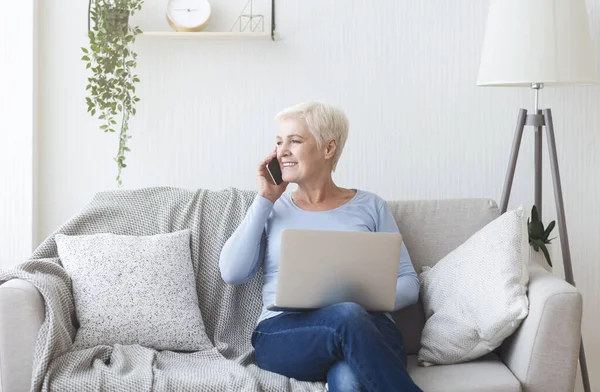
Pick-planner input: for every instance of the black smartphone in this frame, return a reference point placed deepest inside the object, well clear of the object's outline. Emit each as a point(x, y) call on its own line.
point(275, 171)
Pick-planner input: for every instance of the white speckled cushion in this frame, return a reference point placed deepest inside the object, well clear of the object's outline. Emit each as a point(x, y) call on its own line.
point(476, 296)
point(134, 290)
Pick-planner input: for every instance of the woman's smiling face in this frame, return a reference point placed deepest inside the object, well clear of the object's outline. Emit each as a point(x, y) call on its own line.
point(297, 151)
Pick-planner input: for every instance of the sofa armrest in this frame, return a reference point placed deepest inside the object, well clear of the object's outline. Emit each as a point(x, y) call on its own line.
point(543, 351)
point(21, 316)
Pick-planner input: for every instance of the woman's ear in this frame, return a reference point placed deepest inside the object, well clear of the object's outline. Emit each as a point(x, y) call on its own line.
point(330, 150)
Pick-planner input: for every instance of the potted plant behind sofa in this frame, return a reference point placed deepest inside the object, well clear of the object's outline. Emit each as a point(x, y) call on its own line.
point(112, 60)
point(538, 236)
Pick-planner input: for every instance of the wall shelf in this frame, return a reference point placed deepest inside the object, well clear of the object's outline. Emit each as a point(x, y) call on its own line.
point(211, 35)
point(229, 35)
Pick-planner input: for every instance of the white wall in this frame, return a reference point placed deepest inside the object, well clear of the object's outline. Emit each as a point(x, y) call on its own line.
point(404, 72)
point(17, 128)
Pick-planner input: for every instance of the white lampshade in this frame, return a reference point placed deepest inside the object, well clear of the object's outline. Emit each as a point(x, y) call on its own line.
point(537, 41)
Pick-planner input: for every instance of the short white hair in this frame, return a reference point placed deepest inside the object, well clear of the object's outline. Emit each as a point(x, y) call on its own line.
point(323, 121)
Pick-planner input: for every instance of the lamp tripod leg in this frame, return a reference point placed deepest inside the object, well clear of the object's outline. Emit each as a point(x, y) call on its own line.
point(512, 161)
point(538, 167)
point(562, 229)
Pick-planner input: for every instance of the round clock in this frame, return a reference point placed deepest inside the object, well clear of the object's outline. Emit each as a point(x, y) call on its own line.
point(188, 15)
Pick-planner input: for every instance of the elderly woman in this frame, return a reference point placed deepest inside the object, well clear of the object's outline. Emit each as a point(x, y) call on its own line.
point(343, 344)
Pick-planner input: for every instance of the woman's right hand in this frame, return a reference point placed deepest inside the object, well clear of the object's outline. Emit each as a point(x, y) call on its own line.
point(266, 187)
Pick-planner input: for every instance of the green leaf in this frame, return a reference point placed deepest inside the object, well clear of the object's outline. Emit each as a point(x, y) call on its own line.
point(126, 149)
point(88, 65)
point(536, 229)
point(546, 254)
point(548, 230)
point(93, 112)
point(85, 58)
point(84, 50)
point(534, 214)
point(104, 126)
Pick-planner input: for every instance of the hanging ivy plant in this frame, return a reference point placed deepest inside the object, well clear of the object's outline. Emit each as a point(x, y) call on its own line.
point(112, 61)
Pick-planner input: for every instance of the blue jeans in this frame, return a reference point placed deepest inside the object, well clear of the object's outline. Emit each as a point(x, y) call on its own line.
point(343, 344)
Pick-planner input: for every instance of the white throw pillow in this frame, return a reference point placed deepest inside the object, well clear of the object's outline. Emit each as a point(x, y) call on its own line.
point(476, 296)
point(134, 290)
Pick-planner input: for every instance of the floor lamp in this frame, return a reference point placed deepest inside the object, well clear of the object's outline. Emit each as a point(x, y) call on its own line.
point(538, 43)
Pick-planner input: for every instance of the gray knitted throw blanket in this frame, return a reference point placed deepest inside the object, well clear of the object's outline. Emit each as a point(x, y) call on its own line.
point(229, 313)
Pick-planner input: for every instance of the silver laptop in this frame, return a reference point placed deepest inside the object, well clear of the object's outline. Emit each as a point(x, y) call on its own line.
point(318, 268)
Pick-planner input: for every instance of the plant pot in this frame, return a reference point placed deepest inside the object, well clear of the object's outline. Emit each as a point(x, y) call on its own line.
point(115, 18)
point(539, 258)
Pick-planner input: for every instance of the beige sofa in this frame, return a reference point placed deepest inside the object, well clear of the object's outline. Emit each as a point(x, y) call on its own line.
point(540, 356)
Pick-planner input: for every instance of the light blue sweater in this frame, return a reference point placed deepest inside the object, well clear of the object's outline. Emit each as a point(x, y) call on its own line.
point(241, 256)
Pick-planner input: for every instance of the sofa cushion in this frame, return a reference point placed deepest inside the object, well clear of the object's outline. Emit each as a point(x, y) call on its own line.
point(485, 374)
point(134, 290)
point(476, 296)
point(430, 230)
